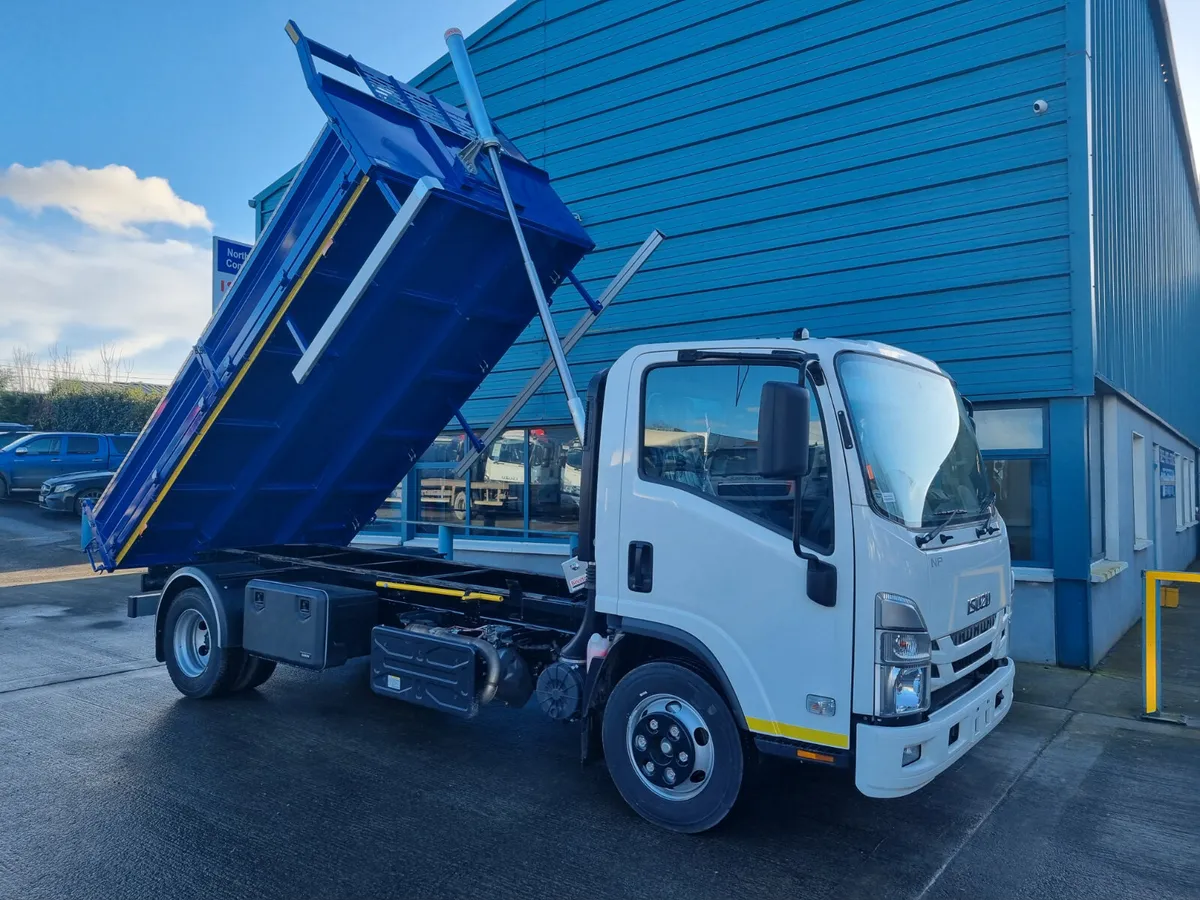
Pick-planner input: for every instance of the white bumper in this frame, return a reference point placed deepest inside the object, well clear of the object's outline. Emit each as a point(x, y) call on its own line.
point(878, 755)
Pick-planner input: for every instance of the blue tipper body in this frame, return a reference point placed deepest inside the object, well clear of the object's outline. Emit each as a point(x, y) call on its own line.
point(385, 288)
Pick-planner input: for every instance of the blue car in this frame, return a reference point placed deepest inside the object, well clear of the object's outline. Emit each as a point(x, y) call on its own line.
point(28, 461)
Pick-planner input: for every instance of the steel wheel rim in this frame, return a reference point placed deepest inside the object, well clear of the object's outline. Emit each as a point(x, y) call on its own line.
point(670, 747)
point(191, 643)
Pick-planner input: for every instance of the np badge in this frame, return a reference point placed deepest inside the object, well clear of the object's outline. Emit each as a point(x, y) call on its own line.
point(975, 604)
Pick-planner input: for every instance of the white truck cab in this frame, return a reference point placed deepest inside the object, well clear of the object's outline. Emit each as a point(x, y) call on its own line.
point(865, 622)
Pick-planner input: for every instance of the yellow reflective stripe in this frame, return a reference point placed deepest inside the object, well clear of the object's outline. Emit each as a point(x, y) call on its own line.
point(245, 367)
point(795, 732)
point(444, 592)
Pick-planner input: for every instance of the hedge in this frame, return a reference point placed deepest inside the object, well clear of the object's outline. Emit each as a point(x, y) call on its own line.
point(76, 406)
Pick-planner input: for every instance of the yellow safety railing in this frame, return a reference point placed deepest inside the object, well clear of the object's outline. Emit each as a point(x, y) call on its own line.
point(1152, 646)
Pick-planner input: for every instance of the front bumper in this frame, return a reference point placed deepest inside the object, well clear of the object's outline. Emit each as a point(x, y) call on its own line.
point(57, 502)
point(877, 758)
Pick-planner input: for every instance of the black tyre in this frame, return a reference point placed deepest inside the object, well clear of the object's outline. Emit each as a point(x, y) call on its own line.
point(255, 671)
point(672, 747)
point(197, 665)
point(3, 489)
point(92, 494)
point(460, 506)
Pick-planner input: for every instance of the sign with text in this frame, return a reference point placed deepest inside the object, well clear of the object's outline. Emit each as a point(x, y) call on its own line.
point(228, 258)
point(1166, 473)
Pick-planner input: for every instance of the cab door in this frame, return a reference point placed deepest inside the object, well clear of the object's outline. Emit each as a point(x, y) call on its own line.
point(40, 460)
point(706, 550)
point(84, 453)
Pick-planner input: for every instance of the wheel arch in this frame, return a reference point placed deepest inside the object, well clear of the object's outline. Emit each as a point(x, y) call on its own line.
point(639, 641)
point(226, 601)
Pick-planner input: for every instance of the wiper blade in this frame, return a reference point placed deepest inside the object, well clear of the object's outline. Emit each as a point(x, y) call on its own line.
point(955, 516)
point(988, 506)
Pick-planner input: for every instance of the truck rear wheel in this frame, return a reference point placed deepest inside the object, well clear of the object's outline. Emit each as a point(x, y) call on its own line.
point(672, 747)
point(196, 664)
point(255, 671)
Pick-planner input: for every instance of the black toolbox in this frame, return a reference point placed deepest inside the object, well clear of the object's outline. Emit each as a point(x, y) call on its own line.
point(312, 625)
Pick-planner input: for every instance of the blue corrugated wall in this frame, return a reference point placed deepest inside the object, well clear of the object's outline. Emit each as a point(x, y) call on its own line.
point(1147, 226)
point(866, 168)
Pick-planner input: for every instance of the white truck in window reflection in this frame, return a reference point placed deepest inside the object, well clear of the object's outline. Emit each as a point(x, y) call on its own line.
point(497, 482)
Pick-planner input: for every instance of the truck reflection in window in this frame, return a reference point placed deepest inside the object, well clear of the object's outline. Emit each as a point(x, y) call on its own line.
point(701, 434)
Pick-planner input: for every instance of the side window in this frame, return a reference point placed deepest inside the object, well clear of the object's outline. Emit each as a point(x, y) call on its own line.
point(46, 446)
point(700, 433)
point(85, 446)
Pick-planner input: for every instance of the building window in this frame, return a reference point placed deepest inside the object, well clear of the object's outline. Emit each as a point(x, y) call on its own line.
point(700, 435)
point(525, 484)
point(1141, 521)
point(555, 473)
point(1095, 463)
point(1015, 449)
point(1185, 496)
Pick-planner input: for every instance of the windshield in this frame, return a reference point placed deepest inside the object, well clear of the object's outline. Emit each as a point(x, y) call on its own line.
point(919, 453)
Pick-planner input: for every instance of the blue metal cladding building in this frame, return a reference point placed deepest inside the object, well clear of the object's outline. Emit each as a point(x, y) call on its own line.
point(1005, 186)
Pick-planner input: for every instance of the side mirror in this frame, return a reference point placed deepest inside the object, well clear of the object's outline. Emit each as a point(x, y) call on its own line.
point(783, 430)
point(22, 451)
point(970, 407)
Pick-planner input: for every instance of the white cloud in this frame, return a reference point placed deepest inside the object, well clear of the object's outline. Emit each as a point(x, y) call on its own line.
point(86, 290)
point(113, 199)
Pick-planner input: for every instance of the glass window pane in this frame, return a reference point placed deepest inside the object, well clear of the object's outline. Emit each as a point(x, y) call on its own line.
point(1022, 497)
point(1095, 450)
point(701, 435)
point(919, 452)
point(555, 469)
point(497, 495)
point(1010, 429)
point(83, 446)
point(46, 446)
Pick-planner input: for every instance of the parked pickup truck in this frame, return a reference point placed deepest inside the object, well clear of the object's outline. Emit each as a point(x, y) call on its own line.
point(29, 461)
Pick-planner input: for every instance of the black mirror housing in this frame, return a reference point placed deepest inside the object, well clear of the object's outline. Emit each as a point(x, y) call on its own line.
point(783, 430)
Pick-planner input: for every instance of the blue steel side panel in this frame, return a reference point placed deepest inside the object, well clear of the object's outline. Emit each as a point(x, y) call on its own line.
point(1147, 218)
point(871, 169)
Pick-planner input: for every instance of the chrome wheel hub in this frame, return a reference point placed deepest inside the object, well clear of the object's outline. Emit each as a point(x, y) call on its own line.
point(670, 746)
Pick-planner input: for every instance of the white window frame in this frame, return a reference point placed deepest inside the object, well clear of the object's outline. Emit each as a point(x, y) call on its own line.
point(1141, 493)
point(1185, 493)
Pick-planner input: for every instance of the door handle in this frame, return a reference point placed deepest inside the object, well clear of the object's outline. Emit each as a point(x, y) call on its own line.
point(641, 566)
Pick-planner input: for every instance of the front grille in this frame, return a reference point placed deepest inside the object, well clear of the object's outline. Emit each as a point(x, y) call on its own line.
point(955, 689)
point(958, 654)
point(973, 631)
point(965, 662)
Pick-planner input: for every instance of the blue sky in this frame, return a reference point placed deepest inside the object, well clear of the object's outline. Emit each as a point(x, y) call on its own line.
point(131, 131)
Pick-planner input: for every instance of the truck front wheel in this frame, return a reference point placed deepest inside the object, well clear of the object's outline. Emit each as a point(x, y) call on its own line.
point(672, 747)
point(196, 664)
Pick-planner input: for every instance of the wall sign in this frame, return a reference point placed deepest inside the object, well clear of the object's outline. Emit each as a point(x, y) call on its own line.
point(228, 257)
point(1166, 473)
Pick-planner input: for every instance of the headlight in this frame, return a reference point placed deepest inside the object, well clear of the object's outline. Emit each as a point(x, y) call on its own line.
point(903, 690)
point(903, 647)
point(62, 488)
point(902, 657)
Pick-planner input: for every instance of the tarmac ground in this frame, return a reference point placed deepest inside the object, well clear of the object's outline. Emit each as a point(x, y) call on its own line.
point(113, 786)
